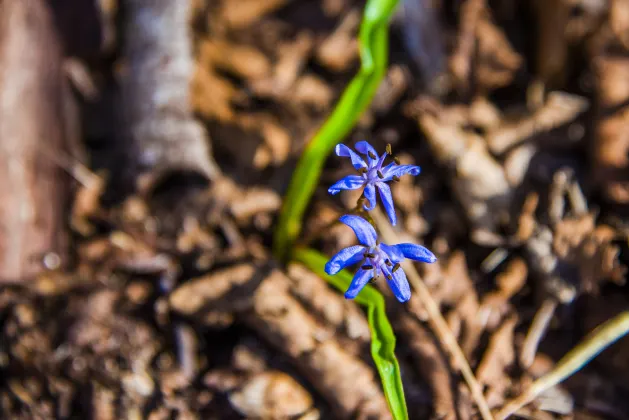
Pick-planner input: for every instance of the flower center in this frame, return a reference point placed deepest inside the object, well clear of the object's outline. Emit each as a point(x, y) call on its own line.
point(376, 259)
point(372, 174)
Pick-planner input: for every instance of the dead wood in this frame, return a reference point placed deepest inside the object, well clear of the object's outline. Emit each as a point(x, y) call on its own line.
point(169, 304)
point(156, 101)
point(36, 123)
point(264, 300)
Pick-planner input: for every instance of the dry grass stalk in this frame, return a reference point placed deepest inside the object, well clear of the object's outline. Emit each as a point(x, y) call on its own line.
point(602, 337)
point(439, 325)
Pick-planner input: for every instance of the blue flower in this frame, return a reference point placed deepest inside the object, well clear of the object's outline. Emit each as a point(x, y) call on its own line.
point(376, 258)
point(372, 175)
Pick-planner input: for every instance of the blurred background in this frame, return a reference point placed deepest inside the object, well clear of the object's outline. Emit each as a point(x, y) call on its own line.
point(145, 146)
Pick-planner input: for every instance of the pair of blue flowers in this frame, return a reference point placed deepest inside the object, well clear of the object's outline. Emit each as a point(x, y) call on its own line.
point(375, 258)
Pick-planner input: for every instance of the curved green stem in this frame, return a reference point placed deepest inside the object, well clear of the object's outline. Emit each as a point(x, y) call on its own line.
point(373, 41)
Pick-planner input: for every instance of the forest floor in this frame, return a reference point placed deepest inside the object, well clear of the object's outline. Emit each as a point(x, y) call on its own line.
point(155, 294)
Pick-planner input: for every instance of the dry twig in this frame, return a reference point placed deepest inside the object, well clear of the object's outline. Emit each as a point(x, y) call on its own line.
point(536, 332)
point(447, 339)
point(602, 337)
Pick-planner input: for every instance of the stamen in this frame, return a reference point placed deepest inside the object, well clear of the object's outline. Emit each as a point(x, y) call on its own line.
point(396, 160)
point(388, 263)
point(389, 149)
point(396, 178)
point(367, 267)
point(371, 155)
point(362, 170)
point(389, 277)
point(396, 267)
point(379, 174)
point(369, 255)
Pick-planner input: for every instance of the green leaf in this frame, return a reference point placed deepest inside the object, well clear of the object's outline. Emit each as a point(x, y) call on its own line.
point(382, 336)
point(373, 44)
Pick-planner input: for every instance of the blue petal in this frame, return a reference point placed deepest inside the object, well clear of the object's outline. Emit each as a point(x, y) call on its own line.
point(392, 169)
point(370, 195)
point(365, 233)
point(364, 148)
point(399, 286)
point(387, 201)
point(350, 182)
point(357, 161)
point(392, 252)
point(416, 252)
point(358, 282)
point(343, 258)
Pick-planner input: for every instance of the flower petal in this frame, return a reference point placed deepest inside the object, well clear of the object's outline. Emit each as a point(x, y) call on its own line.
point(370, 195)
point(358, 282)
point(392, 252)
point(350, 182)
point(416, 252)
point(343, 258)
point(387, 201)
point(365, 233)
point(399, 285)
point(364, 148)
point(357, 161)
point(392, 169)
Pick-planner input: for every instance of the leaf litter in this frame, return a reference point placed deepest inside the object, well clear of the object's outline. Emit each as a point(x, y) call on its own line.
point(166, 301)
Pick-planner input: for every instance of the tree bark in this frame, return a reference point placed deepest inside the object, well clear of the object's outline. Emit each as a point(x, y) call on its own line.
point(32, 132)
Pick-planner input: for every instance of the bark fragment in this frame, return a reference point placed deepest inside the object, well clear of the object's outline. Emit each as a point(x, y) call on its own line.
point(483, 57)
point(243, 13)
point(287, 325)
point(271, 395)
point(499, 356)
point(339, 50)
point(264, 300)
point(433, 367)
point(157, 109)
point(559, 109)
point(34, 128)
point(611, 147)
point(477, 178)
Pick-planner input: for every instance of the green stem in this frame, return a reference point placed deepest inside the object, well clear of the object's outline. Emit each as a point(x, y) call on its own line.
point(373, 41)
point(382, 335)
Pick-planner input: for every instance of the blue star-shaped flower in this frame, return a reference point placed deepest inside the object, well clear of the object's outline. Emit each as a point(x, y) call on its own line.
point(372, 176)
point(376, 258)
